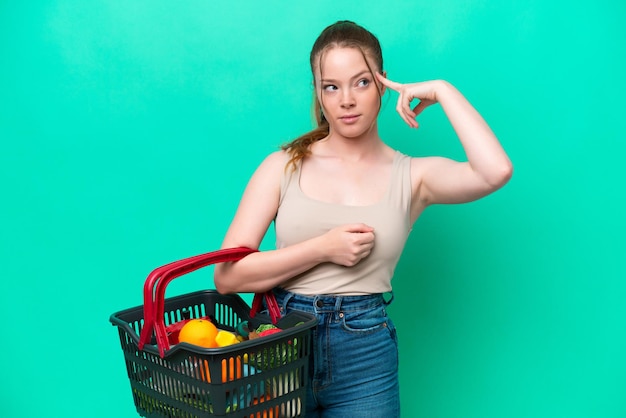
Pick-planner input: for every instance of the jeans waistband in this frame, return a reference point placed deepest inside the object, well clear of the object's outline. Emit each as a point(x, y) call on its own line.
point(330, 303)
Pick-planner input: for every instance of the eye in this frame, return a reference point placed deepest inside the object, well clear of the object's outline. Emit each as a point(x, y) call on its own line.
point(329, 87)
point(364, 82)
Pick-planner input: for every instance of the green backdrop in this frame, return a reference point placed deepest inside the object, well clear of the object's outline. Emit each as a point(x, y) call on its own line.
point(129, 129)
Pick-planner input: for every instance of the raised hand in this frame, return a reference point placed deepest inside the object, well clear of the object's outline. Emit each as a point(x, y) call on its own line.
point(424, 92)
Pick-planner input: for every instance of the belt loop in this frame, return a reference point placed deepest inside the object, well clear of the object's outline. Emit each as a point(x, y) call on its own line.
point(338, 301)
point(286, 298)
point(387, 303)
point(338, 314)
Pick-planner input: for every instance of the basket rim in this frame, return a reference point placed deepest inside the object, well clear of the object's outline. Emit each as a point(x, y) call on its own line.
point(308, 322)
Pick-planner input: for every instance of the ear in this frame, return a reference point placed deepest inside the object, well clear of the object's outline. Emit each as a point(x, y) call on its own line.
point(382, 87)
point(317, 105)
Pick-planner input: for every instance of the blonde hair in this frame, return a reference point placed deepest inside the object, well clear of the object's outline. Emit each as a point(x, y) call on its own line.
point(343, 34)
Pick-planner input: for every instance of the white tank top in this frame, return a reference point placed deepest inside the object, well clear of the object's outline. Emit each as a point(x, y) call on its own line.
point(300, 218)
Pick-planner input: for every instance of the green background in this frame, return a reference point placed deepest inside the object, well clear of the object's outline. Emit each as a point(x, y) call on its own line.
point(128, 130)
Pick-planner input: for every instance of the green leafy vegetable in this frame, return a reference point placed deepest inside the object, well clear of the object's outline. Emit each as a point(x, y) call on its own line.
point(265, 327)
point(275, 355)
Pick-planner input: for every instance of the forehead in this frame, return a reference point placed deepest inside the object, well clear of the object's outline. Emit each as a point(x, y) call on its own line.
point(340, 62)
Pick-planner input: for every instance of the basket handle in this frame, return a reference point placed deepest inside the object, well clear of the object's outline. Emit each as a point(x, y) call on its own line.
point(169, 272)
point(154, 309)
point(270, 301)
point(148, 297)
point(220, 256)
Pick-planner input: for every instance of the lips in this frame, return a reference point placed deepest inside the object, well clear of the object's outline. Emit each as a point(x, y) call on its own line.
point(349, 119)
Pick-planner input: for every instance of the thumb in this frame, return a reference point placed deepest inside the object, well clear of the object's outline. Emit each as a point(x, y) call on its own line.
point(423, 104)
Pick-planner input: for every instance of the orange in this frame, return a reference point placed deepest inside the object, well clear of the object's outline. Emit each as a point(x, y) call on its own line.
point(229, 371)
point(200, 332)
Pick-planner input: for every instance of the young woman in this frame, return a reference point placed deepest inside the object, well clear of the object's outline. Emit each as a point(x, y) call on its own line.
point(343, 203)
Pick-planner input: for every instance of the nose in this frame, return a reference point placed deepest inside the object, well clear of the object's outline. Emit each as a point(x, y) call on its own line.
point(347, 99)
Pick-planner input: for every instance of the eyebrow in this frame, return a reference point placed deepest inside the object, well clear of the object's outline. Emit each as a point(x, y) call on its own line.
point(330, 80)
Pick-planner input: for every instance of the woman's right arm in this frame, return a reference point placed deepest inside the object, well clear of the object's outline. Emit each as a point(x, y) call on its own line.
point(261, 271)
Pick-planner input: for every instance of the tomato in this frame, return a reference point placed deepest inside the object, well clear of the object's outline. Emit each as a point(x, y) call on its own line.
point(270, 332)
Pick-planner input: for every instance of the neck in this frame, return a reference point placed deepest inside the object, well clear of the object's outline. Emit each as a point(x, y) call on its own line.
point(354, 148)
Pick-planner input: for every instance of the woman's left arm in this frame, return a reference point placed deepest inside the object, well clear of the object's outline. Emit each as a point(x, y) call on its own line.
point(442, 180)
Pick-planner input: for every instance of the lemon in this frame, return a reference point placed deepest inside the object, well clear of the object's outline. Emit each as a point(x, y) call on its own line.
point(225, 338)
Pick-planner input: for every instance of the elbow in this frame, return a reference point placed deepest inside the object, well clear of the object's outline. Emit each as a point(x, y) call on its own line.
point(500, 176)
point(222, 289)
point(221, 282)
point(505, 173)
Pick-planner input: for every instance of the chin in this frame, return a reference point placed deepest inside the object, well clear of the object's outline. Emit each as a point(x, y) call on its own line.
point(356, 132)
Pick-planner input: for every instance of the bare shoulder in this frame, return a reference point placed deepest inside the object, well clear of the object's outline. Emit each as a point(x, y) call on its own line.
point(276, 159)
point(422, 165)
point(279, 156)
point(258, 204)
point(273, 165)
point(265, 182)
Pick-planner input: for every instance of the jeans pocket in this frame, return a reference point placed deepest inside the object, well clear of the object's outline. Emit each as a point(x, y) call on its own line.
point(365, 321)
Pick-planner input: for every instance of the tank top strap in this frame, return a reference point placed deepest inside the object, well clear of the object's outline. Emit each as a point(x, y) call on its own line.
point(290, 177)
point(400, 192)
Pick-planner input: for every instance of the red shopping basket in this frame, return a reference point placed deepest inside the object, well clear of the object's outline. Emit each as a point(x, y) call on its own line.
point(265, 377)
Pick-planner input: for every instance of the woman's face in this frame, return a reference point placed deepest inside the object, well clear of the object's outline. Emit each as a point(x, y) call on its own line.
point(347, 92)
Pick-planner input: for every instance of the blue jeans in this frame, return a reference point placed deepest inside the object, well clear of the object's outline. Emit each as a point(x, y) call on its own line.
point(354, 367)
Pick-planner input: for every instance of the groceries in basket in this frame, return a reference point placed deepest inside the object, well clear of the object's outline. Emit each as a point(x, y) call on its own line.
point(208, 354)
point(205, 333)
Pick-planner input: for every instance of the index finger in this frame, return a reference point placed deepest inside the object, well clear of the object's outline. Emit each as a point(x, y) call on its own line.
point(358, 227)
point(391, 84)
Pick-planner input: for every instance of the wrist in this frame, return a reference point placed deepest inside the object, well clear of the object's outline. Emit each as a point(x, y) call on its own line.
point(443, 90)
point(317, 249)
